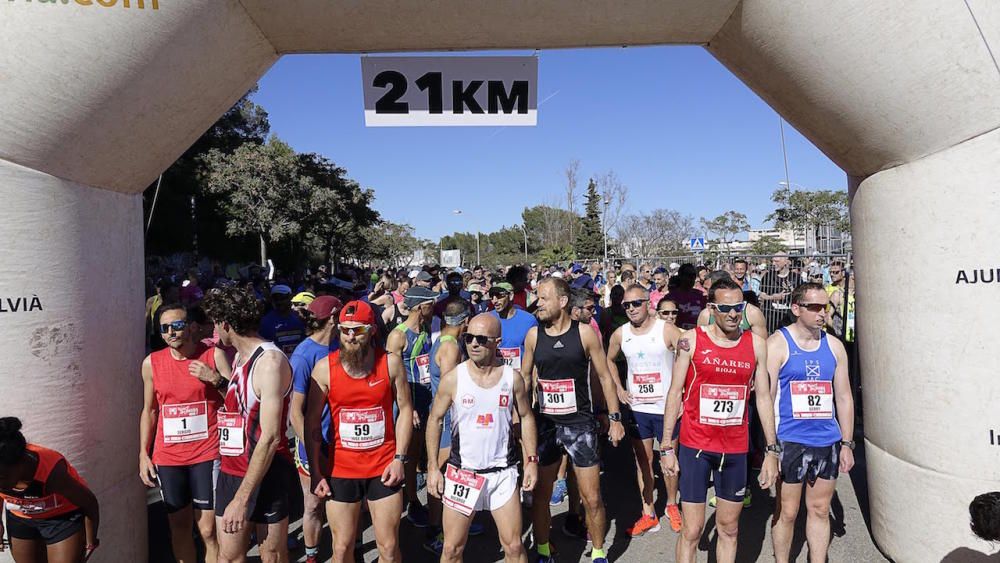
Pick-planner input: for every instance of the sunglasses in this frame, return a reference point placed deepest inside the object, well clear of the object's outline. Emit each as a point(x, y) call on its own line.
point(480, 339)
point(499, 293)
point(176, 326)
point(813, 307)
point(352, 330)
point(634, 304)
point(726, 309)
point(668, 312)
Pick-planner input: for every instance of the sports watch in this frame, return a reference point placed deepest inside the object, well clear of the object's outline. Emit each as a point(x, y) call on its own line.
point(773, 449)
point(615, 417)
point(402, 457)
point(848, 444)
point(531, 459)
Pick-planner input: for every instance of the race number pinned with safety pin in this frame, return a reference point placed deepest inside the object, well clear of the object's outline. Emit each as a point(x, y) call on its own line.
point(722, 405)
point(450, 91)
point(812, 399)
point(231, 441)
point(558, 396)
point(462, 489)
point(185, 422)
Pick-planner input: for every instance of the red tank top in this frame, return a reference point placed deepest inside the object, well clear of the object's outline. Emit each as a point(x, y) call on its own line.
point(186, 427)
point(239, 420)
point(364, 436)
point(716, 392)
point(34, 502)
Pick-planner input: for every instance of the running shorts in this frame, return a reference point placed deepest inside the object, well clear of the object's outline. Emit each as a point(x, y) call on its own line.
point(49, 530)
point(501, 486)
point(268, 503)
point(422, 400)
point(579, 442)
point(355, 490)
point(728, 472)
point(643, 426)
point(183, 485)
point(799, 463)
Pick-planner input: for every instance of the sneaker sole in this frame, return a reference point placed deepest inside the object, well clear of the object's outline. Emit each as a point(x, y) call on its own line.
point(655, 528)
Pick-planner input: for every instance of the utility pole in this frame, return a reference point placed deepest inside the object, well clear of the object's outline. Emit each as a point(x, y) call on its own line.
point(525, 231)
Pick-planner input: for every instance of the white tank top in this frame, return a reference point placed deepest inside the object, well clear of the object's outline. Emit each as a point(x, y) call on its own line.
point(649, 367)
point(481, 422)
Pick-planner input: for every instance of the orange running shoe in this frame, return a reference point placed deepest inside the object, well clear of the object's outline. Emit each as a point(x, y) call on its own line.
point(674, 513)
point(648, 523)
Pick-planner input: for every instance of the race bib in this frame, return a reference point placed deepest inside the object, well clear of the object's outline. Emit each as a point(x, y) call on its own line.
point(231, 442)
point(722, 405)
point(423, 369)
point(186, 422)
point(462, 489)
point(558, 396)
point(510, 357)
point(647, 387)
point(362, 429)
point(34, 507)
point(812, 399)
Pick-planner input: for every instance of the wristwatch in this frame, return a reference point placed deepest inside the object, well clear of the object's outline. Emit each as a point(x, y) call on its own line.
point(773, 449)
point(401, 457)
point(848, 444)
point(665, 451)
point(531, 459)
point(615, 417)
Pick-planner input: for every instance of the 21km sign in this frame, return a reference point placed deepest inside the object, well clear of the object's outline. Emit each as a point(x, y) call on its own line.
point(422, 91)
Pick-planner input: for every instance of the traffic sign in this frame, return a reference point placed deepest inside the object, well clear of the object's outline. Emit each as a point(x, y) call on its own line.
point(698, 244)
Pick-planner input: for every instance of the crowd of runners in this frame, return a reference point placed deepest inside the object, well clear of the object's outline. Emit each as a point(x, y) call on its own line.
point(498, 391)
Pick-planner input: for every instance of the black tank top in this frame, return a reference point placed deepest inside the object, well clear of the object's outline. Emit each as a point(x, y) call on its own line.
point(563, 357)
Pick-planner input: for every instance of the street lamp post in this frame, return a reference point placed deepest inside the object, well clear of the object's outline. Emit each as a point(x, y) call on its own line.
point(478, 259)
point(525, 231)
point(604, 226)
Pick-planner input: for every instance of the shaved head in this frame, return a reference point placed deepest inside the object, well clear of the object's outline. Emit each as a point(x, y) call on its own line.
point(485, 324)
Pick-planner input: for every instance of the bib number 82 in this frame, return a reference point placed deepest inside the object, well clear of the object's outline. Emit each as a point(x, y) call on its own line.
point(814, 400)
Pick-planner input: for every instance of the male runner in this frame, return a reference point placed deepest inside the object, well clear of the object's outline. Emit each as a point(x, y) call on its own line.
point(514, 324)
point(814, 418)
point(321, 323)
point(561, 351)
point(256, 463)
point(714, 370)
point(411, 343)
point(282, 325)
point(481, 394)
point(358, 384)
point(181, 399)
point(752, 319)
point(648, 344)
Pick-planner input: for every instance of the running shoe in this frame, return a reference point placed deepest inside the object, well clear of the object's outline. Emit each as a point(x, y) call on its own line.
point(647, 523)
point(574, 528)
point(435, 545)
point(674, 513)
point(600, 560)
point(312, 559)
point(416, 513)
point(559, 492)
point(546, 558)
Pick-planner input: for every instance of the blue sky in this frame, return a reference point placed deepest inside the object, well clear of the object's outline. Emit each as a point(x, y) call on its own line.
point(676, 127)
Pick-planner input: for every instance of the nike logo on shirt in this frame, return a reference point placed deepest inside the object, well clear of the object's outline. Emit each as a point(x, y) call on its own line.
point(374, 383)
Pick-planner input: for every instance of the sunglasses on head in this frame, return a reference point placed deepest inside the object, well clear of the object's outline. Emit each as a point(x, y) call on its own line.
point(480, 339)
point(176, 326)
point(634, 304)
point(813, 307)
point(726, 309)
point(667, 312)
point(352, 330)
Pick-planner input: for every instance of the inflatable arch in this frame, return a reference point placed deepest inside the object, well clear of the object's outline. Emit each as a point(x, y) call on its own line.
point(99, 96)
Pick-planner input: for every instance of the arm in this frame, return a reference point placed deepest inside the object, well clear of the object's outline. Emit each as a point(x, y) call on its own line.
point(222, 364)
point(147, 425)
point(682, 360)
point(599, 365)
point(393, 474)
point(442, 401)
point(845, 402)
point(62, 483)
point(758, 324)
point(528, 360)
point(777, 355)
point(273, 377)
point(215, 377)
point(312, 431)
point(301, 377)
point(765, 411)
point(615, 348)
point(703, 317)
point(529, 432)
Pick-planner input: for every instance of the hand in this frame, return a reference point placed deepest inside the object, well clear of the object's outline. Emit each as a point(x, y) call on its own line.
point(530, 476)
point(202, 371)
point(668, 464)
point(147, 471)
point(846, 459)
point(393, 474)
point(624, 396)
point(435, 482)
point(320, 487)
point(616, 433)
point(768, 471)
point(416, 419)
point(235, 517)
point(91, 548)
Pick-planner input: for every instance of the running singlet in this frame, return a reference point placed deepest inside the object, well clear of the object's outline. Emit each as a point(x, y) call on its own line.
point(285, 331)
point(186, 425)
point(716, 391)
point(805, 412)
point(239, 421)
point(416, 356)
point(33, 502)
point(482, 422)
point(513, 331)
point(364, 438)
point(563, 378)
point(435, 369)
point(649, 365)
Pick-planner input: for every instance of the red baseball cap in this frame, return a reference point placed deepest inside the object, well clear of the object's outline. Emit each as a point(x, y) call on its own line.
point(324, 306)
point(357, 312)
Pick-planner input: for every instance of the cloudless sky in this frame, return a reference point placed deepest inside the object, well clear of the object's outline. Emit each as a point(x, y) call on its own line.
point(675, 126)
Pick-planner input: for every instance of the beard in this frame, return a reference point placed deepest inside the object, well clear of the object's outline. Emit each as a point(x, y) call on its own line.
point(352, 354)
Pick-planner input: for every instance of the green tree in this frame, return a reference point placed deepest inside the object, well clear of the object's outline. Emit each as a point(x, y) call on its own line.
point(726, 226)
point(590, 239)
point(390, 243)
point(548, 226)
point(767, 245)
point(809, 210)
point(262, 190)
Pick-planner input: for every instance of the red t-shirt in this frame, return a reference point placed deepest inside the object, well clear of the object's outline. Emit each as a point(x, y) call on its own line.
point(186, 425)
point(364, 437)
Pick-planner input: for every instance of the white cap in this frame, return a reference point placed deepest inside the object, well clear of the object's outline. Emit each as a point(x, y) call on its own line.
point(557, 274)
point(675, 266)
point(413, 273)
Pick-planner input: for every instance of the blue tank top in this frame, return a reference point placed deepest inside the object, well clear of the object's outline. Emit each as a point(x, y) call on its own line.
point(435, 368)
point(416, 355)
point(806, 413)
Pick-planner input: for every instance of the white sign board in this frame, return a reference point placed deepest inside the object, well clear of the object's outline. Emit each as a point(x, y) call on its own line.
point(698, 244)
point(451, 258)
point(452, 91)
